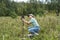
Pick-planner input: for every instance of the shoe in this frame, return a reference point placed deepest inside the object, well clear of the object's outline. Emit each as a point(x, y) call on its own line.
point(36, 34)
point(30, 35)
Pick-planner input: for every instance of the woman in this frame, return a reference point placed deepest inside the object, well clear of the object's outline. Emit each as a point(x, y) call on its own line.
point(35, 26)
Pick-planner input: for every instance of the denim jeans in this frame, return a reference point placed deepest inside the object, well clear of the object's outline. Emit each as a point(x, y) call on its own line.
point(33, 29)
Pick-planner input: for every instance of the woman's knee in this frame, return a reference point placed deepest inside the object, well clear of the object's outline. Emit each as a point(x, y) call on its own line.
point(30, 30)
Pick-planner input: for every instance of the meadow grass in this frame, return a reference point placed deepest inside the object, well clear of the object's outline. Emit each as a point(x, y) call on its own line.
point(12, 28)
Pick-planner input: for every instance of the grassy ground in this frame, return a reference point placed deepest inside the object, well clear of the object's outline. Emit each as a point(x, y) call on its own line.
point(11, 29)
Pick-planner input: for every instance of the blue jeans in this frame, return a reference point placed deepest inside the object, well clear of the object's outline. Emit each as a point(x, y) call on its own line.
point(34, 29)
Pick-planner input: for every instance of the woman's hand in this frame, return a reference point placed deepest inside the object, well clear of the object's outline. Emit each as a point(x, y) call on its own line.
point(25, 21)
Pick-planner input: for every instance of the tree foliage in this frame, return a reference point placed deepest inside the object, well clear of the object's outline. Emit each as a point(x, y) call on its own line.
point(11, 8)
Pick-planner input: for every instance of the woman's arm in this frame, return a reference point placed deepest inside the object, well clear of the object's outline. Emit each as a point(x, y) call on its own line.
point(25, 21)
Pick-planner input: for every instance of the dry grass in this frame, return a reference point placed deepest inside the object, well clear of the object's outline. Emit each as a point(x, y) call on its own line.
point(12, 28)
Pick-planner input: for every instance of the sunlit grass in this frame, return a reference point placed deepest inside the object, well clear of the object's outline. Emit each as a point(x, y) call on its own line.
point(12, 28)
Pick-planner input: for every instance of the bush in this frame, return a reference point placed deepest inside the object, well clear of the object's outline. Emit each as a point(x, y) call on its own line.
point(13, 14)
point(40, 12)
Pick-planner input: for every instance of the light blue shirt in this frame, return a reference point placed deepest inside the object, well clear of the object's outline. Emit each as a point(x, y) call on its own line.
point(34, 22)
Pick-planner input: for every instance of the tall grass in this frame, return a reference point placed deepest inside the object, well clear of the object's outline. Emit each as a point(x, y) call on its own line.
point(12, 28)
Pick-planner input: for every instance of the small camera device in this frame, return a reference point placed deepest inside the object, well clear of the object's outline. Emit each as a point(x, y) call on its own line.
point(22, 17)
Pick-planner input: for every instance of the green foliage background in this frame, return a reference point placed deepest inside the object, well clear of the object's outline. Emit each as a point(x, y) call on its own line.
point(45, 14)
point(13, 9)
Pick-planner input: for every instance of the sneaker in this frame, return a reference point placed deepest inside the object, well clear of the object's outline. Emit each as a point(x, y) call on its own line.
point(30, 35)
point(36, 34)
